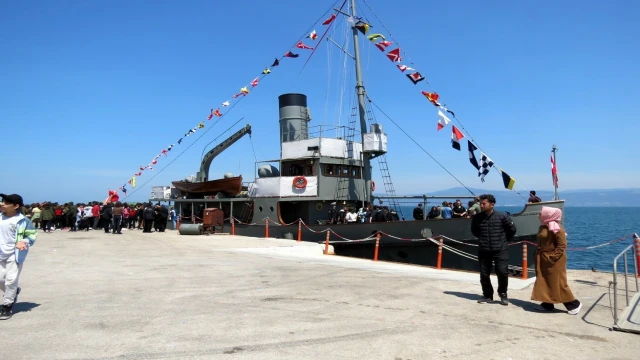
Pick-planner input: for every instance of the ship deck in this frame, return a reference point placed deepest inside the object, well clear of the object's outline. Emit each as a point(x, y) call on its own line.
point(150, 296)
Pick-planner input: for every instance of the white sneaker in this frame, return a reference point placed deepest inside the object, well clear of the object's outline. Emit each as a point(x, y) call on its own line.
point(575, 311)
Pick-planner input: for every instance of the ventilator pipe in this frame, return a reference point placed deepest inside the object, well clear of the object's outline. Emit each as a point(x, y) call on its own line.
point(326, 243)
point(266, 228)
point(636, 240)
point(299, 230)
point(439, 263)
point(375, 252)
point(525, 262)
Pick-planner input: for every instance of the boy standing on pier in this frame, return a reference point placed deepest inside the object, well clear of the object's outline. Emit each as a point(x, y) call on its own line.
point(17, 234)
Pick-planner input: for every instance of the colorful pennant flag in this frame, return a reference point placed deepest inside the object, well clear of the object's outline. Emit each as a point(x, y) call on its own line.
point(142, 168)
point(254, 83)
point(433, 97)
point(275, 63)
point(472, 155)
point(403, 68)
point(266, 71)
point(394, 55)
point(443, 120)
point(300, 45)
point(363, 27)
point(201, 125)
point(133, 181)
point(382, 45)
point(123, 189)
point(244, 91)
point(291, 55)
point(374, 37)
point(164, 152)
point(415, 77)
point(139, 174)
point(170, 147)
point(179, 141)
point(447, 110)
point(507, 180)
point(485, 166)
point(226, 103)
point(456, 135)
point(210, 115)
point(313, 35)
point(329, 20)
point(154, 162)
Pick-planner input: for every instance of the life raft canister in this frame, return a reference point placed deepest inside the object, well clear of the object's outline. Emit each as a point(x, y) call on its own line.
point(299, 182)
point(373, 185)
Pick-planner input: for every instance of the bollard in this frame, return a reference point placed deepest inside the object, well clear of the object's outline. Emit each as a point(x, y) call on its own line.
point(266, 228)
point(439, 264)
point(525, 262)
point(326, 243)
point(375, 252)
point(299, 230)
point(178, 224)
point(636, 240)
point(233, 226)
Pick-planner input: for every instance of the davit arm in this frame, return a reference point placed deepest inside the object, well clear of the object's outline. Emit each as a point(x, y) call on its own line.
point(203, 174)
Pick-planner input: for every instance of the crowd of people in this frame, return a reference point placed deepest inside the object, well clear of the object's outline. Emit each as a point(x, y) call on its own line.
point(112, 217)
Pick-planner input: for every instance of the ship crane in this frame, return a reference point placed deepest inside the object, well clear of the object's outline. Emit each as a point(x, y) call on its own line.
point(203, 174)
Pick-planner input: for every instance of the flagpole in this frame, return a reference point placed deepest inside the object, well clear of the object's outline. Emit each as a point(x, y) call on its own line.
point(361, 107)
point(554, 150)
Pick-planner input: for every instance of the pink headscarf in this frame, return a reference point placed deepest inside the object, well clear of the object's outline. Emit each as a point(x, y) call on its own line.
point(551, 217)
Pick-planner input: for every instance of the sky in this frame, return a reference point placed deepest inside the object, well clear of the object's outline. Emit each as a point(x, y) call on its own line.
point(91, 90)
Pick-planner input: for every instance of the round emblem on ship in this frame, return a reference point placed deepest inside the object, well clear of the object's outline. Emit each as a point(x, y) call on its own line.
point(299, 182)
point(373, 185)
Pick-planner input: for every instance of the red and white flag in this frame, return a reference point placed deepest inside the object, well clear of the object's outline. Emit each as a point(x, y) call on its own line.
point(300, 45)
point(554, 172)
point(254, 83)
point(329, 20)
point(443, 120)
point(313, 35)
point(403, 68)
point(394, 55)
point(382, 45)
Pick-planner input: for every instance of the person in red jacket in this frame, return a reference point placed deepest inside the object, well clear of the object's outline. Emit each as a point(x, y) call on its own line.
point(95, 212)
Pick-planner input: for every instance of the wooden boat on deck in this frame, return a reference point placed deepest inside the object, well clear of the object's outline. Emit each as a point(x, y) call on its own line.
point(229, 186)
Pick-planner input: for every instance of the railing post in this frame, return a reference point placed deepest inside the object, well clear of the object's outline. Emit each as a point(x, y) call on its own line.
point(375, 252)
point(233, 226)
point(326, 243)
point(525, 262)
point(299, 230)
point(266, 227)
point(439, 263)
point(636, 240)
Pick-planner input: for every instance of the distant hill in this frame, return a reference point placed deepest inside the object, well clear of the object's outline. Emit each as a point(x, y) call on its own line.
point(595, 197)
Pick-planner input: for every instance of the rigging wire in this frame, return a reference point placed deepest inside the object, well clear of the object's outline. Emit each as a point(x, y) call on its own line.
point(418, 144)
point(181, 153)
point(234, 104)
point(430, 88)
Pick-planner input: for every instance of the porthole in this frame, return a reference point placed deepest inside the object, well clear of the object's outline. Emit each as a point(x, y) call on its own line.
point(260, 208)
point(319, 206)
point(271, 208)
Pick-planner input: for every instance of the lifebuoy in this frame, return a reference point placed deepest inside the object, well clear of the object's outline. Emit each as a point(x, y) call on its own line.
point(299, 182)
point(373, 185)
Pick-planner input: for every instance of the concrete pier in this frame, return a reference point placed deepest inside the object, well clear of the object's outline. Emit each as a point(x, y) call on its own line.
point(90, 295)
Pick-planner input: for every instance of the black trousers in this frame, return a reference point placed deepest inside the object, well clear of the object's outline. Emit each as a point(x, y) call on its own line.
point(571, 305)
point(46, 225)
point(147, 225)
point(117, 224)
point(72, 223)
point(162, 224)
point(105, 224)
point(501, 261)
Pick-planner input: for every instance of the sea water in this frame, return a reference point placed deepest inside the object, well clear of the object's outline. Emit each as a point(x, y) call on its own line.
point(589, 226)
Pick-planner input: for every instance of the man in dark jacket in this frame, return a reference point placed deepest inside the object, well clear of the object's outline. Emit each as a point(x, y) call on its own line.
point(418, 213)
point(148, 216)
point(493, 229)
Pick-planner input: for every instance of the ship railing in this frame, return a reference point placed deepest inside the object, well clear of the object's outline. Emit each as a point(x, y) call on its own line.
point(328, 131)
point(624, 254)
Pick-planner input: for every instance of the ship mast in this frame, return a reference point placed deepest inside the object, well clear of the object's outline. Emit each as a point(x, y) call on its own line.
point(366, 175)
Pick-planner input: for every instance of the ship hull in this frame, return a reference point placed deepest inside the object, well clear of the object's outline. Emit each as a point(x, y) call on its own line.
point(229, 186)
point(405, 242)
